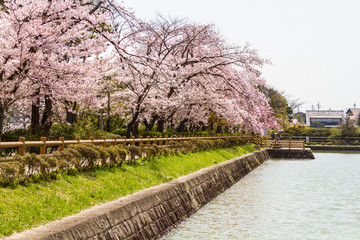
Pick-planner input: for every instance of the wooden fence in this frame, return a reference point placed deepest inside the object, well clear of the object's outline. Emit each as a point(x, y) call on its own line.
point(43, 144)
point(284, 144)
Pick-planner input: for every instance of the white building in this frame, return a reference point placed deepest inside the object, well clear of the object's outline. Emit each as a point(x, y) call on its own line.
point(328, 118)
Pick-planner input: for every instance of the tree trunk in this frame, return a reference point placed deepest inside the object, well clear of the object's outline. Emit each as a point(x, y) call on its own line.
point(150, 125)
point(101, 120)
point(135, 129)
point(160, 125)
point(218, 129)
point(182, 126)
point(130, 126)
point(46, 119)
point(71, 117)
point(2, 119)
point(35, 116)
point(108, 120)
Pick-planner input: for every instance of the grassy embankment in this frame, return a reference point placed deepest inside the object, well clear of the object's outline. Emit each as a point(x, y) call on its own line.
point(24, 207)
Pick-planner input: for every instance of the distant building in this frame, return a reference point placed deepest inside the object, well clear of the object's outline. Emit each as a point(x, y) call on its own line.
point(353, 114)
point(324, 118)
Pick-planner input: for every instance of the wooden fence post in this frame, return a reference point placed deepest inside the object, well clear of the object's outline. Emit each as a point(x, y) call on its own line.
point(161, 141)
point(303, 145)
point(91, 139)
point(61, 146)
point(124, 143)
point(133, 141)
point(166, 140)
point(155, 142)
point(77, 139)
point(43, 147)
point(148, 140)
point(22, 147)
point(104, 143)
point(141, 141)
point(114, 143)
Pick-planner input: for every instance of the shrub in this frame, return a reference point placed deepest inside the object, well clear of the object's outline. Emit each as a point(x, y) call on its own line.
point(103, 152)
point(62, 130)
point(48, 164)
point(68, 158)
point(10, 173)
point(134, 152)
point(117, 154)
point(88, 153)
point(150, 133)
point(32, 163)
point(120, 131)
point(170, 132)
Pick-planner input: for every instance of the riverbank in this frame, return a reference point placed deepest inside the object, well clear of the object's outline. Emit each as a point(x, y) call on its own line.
point(335, 148)
point(150, 213)
point(27, 206)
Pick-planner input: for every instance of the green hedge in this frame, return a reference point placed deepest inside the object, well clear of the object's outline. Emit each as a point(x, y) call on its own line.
point(83, 157)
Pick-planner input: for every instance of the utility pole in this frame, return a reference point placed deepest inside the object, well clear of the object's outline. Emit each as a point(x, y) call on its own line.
point(318, 105)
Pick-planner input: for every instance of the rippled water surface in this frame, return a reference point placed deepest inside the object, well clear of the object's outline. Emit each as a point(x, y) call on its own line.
point(285, 199)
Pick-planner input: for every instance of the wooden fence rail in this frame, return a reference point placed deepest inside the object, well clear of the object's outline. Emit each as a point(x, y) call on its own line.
point(285, 144)
point(43, 144)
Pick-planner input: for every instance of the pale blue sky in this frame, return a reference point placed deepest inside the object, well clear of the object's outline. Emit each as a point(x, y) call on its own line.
point(314, 44)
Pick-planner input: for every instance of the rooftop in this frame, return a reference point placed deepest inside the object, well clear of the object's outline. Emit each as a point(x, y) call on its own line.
point(325, 113)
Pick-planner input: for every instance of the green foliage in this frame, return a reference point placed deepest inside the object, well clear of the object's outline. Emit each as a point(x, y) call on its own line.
point(170, 132)
point(83, 156)
point(119, 131)
point(348, 128)
point(13, 135)
point(68, 159)
point(150, 133)
point(32, 163)
point(280, 105)
point(103, 152)
point(63, 130)
point(307, 131)
point(88, 153)
point(135, 152)
point(9, 173)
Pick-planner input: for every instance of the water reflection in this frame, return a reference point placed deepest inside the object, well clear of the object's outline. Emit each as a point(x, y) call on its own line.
point(317, 199)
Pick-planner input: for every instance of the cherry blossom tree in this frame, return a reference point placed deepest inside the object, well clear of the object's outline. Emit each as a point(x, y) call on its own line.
point(58, 55)
point(48, 53)
point(182, 70)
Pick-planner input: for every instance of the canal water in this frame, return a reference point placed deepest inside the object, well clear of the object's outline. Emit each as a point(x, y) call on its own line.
point(285, 199)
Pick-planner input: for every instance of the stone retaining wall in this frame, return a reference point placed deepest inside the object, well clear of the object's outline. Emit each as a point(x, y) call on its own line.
point(335, 148)
point(153, 212)
point(291, 153)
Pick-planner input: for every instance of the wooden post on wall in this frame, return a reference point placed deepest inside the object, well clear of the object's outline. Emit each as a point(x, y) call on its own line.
point(61, 146)
point(43, 147)
point(22, 147)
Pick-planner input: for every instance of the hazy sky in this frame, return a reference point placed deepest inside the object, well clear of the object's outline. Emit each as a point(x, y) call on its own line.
point(314, 45)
